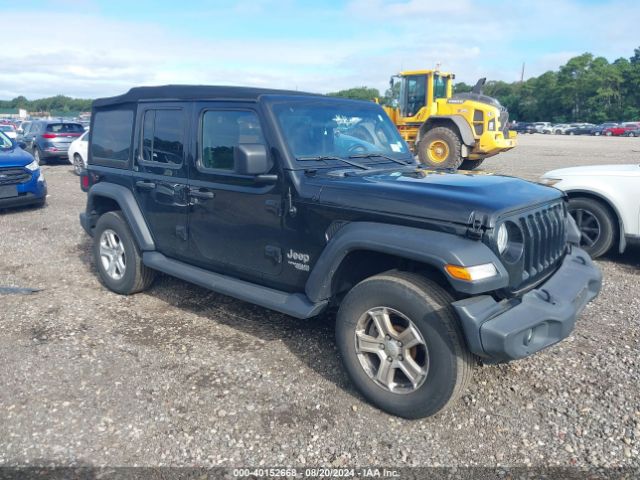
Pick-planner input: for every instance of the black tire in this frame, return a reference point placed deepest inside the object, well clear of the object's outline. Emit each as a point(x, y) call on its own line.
point(608, 134)
point(471, 164)
point(592, 214)
point(37, 156)
point(571, 133)
point(427, 305)
point(558, 132)
point(137, 277)
point(453, 156)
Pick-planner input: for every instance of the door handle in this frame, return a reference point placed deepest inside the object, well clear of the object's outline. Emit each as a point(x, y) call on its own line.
point(197, 193)
point(141, 184)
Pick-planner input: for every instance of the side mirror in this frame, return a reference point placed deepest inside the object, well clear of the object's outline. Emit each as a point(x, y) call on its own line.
point(22, 145)
point(251, 159)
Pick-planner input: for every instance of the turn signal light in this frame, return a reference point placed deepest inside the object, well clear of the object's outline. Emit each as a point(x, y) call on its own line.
point(472, 274)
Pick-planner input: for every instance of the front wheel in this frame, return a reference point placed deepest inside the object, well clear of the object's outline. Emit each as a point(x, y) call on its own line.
point(596, 225)
point(401, 344)
point(440, 147)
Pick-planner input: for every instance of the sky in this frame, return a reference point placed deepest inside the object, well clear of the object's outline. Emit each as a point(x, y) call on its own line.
point(93, 48)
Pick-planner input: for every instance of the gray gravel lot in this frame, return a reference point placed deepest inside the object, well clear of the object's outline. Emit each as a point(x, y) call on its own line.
point(182, 376)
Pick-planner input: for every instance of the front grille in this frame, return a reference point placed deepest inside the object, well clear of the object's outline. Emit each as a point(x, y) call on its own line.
point(544, 240)
point(11, 176)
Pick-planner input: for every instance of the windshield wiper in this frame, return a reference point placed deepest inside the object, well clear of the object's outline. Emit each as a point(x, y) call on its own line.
point(322, 158)
point(381, 155)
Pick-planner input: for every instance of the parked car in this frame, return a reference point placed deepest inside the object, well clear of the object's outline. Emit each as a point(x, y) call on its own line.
point(273, 197)
point(598, 129)
point(50, 139)
point(538, 126)
point(633, 133)
point(78, 151)
point(620, 129)
point(523, 127)
point(9, 131)
point(582, 129)
point(604, 202)
point(21, 181)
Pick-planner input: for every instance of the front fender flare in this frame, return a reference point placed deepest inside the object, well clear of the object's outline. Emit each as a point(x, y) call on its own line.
point(466, 134)
point(130, 209)
point(436, 249)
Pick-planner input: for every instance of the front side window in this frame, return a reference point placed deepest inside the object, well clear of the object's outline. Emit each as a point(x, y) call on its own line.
point(163, 137)
point(222, 132)
point(5, 142)
point(111, 135)
point(439, 86)
point(416, 94)
point(316, 128)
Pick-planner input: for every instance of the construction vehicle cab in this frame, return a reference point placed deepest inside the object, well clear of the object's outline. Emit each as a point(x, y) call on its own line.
point(449, 130)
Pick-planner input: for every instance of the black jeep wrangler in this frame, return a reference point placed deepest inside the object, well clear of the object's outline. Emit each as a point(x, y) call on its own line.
point(300, 203)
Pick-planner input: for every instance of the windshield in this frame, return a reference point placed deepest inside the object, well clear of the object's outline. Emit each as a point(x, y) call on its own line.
point(321, 128)
point(6, 128)
point(5, 142)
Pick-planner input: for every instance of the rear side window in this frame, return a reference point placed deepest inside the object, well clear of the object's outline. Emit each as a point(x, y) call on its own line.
point(222, 132)
point(163, 137)
point(111, 136)
point(65, 128)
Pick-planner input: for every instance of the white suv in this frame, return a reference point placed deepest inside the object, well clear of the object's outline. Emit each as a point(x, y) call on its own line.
point(604, 201)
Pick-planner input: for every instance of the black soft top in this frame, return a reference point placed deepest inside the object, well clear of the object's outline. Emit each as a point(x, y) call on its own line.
point(191, 92)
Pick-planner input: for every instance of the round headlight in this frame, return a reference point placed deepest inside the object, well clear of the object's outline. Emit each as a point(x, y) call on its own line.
point(510, 242)
point(503, 238)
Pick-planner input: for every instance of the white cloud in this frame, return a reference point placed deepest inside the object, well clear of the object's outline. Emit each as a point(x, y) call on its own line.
point(88, 55)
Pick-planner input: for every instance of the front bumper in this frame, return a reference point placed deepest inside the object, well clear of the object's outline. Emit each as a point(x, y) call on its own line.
point(491, 143)
point(516, 328)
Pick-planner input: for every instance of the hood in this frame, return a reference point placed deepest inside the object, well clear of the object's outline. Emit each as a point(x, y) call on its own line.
point(16, 157)
point(477, 97)
point(595, 170)
point(436, 195)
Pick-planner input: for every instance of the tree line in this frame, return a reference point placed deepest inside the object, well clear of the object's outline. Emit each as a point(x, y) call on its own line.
point(59, 103)
point(585, 89)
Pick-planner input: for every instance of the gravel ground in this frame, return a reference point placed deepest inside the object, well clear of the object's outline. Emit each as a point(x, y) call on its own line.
point(181, 376)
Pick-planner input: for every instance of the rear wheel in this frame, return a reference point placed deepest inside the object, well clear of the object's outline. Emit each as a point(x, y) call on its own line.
point(118, 258)
point(440, 148)
point(596, 225)
point(401, 344)
point(37, 157)
point(471, 164)
point(78, 165)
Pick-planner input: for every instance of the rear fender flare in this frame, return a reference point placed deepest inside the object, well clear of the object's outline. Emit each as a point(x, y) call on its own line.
point(130, 209)
point(436, 249)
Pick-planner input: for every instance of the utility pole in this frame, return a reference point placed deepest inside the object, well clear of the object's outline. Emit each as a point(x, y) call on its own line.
point(522, 74)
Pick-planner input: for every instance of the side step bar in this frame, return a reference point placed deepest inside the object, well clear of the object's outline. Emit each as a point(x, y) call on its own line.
point(295, 304)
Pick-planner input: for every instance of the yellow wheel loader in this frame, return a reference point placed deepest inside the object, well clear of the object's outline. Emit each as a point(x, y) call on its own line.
point(449, 130)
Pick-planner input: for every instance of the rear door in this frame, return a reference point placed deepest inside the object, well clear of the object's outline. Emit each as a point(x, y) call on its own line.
point(160, 173)
point(235, 223)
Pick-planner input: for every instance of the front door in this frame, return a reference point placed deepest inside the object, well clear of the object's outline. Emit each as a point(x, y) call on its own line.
point(235, 223)
point(160, 174)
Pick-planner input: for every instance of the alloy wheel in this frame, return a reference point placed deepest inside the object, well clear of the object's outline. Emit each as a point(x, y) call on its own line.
point(391, 350)
point(588, 225)
point(112, 254)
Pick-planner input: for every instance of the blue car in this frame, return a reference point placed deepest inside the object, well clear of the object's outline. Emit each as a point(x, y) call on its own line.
point(21, 181)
